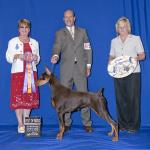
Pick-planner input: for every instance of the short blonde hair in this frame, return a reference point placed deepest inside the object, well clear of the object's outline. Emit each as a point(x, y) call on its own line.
point(125, 20)
point(25, 22)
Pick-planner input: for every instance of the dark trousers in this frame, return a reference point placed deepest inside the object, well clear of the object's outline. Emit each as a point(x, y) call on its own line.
point(127, 91)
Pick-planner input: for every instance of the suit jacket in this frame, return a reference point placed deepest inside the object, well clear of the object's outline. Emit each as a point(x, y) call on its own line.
point(15, 46)
point(70, 49)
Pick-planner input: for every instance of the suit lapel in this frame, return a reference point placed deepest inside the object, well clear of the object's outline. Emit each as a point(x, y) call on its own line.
point(69, 39)
point(76, 33)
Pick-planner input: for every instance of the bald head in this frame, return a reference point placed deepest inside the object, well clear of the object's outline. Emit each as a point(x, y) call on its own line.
point(70, 12)
point(69, 18)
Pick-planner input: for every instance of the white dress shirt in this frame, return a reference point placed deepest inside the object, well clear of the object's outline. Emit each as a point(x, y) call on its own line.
point(71, 30)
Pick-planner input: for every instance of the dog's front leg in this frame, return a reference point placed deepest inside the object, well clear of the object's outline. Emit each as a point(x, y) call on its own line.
point(61, 126)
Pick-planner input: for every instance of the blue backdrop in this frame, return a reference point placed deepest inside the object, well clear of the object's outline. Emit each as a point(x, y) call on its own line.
point(99, 18)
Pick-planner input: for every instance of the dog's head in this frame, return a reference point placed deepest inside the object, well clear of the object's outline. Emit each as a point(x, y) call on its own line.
point(45, 77)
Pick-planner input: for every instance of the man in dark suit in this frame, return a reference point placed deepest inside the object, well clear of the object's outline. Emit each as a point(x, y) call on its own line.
point(76, 58)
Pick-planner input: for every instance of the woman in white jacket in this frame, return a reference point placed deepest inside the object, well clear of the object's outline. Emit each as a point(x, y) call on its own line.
point(23, 54)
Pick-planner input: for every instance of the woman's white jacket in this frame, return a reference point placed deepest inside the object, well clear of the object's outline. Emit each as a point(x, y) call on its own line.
point(15, 46)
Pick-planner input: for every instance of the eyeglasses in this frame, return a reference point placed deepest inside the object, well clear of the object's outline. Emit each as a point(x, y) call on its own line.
point(122, 28)
point(24, 27)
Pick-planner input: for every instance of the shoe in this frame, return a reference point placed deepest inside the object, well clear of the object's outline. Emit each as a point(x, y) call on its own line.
point(88, 129)
point(67, 128)
point(122, 129)
point(21, 129)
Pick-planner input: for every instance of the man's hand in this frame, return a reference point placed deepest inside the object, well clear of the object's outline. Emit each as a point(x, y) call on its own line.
point(54, 59)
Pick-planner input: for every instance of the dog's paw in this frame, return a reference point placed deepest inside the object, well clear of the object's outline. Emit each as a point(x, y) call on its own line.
point(59, 136)
point(110, 133)
point(115, 139)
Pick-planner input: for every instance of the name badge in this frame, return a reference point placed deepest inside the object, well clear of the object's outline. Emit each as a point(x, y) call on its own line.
point(17, 47)
point(87, 46)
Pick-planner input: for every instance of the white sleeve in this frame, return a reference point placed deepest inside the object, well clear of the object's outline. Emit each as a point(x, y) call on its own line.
point(139, 45)
point(37, 52)
point(10, 52)
point(112, 49)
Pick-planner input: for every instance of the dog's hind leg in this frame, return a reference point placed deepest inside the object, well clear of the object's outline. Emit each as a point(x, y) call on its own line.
point(61, 126)
point(101, 110)
point(113, 124)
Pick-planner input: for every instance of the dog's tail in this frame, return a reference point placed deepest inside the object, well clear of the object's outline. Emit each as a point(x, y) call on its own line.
point(102, 97)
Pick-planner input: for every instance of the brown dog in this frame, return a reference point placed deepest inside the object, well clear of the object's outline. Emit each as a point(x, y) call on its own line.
point(65, 100)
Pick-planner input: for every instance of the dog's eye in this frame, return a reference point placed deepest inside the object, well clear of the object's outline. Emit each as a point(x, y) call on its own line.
point(44, 77)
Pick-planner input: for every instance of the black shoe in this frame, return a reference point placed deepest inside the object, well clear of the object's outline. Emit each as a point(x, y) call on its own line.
point(88, 129)
point(67, 128)
point(122, 129)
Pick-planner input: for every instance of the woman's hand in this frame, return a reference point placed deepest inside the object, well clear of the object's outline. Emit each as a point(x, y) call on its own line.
point(140, 56)
point(110, 59)
point(35, 57)
point(18, 56)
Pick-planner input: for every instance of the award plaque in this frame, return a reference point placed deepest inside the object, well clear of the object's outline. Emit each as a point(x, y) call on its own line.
point(33, 126)
point(121, 66)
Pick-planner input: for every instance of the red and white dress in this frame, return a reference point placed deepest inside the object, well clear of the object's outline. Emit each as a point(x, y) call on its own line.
point(20, 100)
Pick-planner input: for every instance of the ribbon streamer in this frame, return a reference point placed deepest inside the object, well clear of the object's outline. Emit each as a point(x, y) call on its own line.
point(29, 84)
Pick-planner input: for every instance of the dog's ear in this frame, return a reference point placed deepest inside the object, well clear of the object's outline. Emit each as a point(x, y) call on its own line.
point(48, 71)
point(41, 82)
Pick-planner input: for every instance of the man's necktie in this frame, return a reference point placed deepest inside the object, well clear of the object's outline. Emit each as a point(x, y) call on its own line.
point(71, 32)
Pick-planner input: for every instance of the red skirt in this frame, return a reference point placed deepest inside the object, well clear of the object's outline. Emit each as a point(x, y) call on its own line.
point(20, 100)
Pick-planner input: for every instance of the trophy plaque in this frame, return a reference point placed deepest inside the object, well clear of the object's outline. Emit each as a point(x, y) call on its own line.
point(32, 126)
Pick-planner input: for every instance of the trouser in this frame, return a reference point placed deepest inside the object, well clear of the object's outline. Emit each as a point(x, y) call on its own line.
point(127, 91)
point(80, 82)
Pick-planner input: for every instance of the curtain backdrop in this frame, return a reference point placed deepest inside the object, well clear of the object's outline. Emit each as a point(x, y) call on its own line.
point(99, 18)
